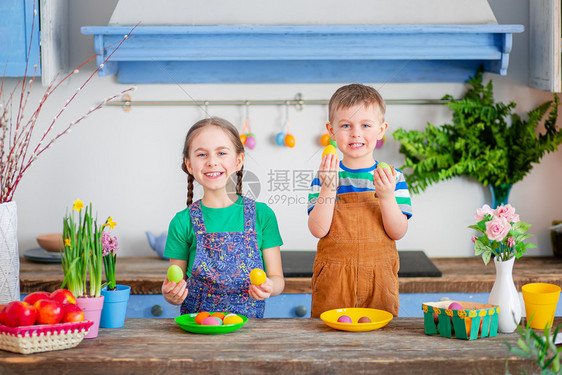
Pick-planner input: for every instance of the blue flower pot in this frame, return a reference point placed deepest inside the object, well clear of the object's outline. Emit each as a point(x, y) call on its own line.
point(114, 306)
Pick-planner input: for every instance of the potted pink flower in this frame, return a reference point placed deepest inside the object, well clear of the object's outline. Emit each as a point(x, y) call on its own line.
point(502, 235)
point(116, 296)
point(110, 247)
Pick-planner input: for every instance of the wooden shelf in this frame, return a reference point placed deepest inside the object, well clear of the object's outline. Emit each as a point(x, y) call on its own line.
point(307, 54)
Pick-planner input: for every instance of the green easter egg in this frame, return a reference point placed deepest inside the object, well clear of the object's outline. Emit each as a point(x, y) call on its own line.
point(175, 273)
point(333, 143)
point(384, 165)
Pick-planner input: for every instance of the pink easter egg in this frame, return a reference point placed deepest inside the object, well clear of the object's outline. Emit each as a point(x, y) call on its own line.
point(344, 319)
point(211, 321)
point(455, 306)
point(250, 142)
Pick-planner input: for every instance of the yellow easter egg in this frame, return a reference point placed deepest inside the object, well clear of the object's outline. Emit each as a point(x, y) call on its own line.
point(232, 319)
point(329, 150)
point(243, 138)
point(257, 276)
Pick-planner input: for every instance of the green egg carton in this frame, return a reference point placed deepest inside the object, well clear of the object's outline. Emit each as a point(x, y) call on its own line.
point(476, 320)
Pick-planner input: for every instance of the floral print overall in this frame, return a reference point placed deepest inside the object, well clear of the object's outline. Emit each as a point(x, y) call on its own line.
point(220, 278)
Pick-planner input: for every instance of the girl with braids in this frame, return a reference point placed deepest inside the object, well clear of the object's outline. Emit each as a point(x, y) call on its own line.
point(220, 238)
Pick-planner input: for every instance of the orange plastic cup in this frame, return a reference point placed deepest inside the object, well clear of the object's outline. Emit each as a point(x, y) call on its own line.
point(540, 303)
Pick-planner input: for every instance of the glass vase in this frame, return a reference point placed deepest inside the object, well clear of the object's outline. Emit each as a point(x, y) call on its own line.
point(500, 194)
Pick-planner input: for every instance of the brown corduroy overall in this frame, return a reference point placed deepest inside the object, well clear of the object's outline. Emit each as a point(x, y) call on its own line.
point(356, 263)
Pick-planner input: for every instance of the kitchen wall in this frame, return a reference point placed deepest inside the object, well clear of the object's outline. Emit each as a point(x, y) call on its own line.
point(128, 163)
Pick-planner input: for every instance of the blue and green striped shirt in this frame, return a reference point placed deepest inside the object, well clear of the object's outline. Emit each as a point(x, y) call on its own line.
point(356, 180)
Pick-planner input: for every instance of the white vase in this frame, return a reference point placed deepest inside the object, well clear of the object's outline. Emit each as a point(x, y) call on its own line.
point(9, 255)
point(504, 294)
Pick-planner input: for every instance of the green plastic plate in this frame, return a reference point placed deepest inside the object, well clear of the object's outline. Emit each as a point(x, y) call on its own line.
point(187, 323)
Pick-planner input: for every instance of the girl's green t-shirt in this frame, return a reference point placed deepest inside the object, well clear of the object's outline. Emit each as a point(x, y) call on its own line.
point(181, 242)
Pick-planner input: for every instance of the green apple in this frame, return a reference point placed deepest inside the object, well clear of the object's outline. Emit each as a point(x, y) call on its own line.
point(175, 273)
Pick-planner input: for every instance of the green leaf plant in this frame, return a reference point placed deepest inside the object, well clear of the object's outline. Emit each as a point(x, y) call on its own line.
point(540, 348)
point(485, 141)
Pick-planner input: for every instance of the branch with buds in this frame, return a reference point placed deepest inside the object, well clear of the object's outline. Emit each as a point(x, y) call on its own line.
point(17, 153)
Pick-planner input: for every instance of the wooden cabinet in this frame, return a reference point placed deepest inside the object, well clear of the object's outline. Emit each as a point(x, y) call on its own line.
point(30, 37)
point(544, 45)
point(19, 41)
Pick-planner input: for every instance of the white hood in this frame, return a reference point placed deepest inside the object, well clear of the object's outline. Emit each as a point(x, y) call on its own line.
point(302, 12)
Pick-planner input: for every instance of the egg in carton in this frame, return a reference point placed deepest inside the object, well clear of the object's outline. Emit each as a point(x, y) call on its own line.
point(460, 319)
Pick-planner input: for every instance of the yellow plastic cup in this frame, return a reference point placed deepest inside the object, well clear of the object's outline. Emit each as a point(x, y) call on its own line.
point(540, 303)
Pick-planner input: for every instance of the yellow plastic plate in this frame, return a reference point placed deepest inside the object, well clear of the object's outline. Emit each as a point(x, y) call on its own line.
point(379, 318)
point(187, 323)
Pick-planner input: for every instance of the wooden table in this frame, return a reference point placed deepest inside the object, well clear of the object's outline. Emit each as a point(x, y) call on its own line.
point(273, 346)
point(461, 275)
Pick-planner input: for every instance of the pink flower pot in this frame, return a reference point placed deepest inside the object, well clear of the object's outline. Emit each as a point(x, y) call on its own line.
point(91, 306)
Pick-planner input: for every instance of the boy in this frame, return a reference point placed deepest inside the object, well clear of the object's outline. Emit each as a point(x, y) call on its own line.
point(357, 210)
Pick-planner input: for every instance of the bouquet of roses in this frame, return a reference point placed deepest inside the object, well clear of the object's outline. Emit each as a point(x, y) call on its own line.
point(502, 232)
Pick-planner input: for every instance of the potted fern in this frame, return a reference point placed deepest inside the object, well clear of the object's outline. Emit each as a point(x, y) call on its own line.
point(486, 141)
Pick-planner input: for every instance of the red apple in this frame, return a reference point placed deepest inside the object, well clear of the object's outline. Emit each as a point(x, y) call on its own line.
point(19, 314)
point(31, 298)
point(48, 311)
point(71, 313)
point(2, 314)
point(63, 296)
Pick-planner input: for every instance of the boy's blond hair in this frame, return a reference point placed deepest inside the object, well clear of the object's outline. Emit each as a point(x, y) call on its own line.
point(353, 94)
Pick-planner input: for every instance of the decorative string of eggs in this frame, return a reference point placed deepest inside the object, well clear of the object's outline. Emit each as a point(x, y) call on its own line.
point(248, 140)
point(289, 141)
point(247, 137)
point(284, 137)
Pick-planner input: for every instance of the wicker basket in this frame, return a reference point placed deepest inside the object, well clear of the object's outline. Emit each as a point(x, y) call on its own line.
point(43, 338)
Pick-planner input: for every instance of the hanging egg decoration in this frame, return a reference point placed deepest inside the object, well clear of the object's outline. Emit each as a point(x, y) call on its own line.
point(247, 137)
point(380, 142)
point(289, 140)
point(250, 141)
point(280, 138)
point(325, 139)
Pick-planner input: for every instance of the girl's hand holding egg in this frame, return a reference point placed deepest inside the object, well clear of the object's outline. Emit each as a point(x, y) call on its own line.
point(262, 290)
point(174, 292)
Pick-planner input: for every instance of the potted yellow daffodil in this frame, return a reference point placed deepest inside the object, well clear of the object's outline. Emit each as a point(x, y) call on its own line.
point(82, 261)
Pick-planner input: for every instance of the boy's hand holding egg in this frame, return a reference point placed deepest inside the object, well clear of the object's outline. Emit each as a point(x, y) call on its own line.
point(385, 178)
